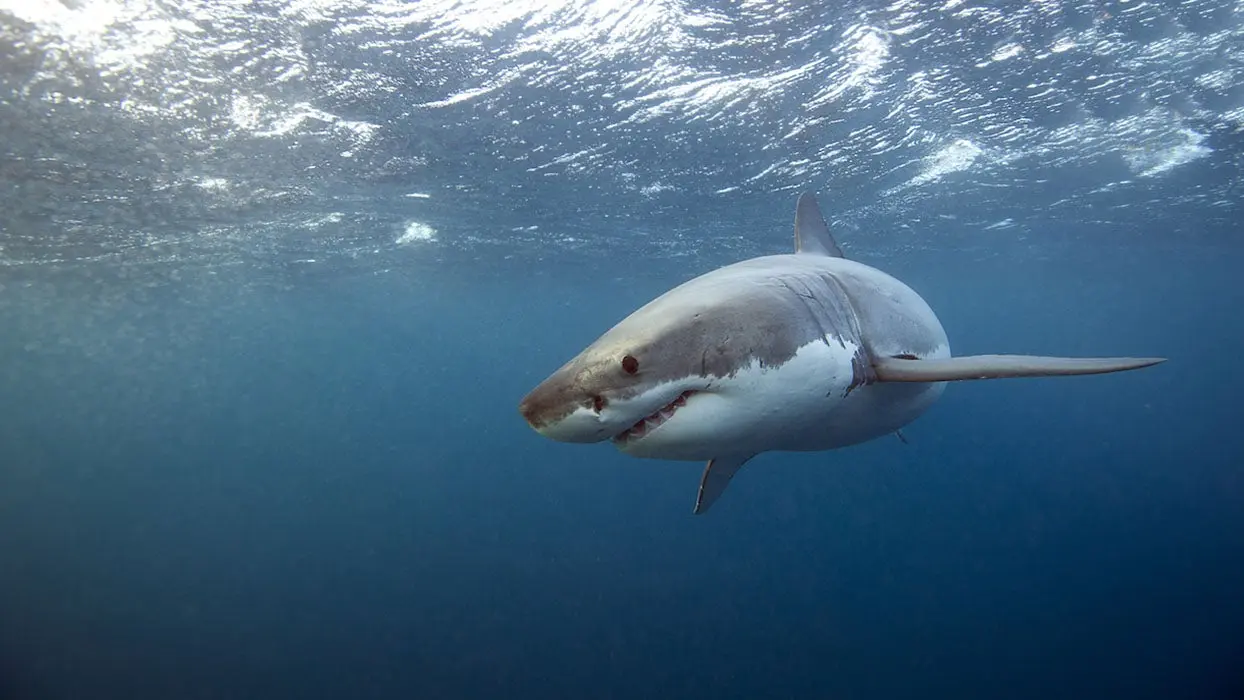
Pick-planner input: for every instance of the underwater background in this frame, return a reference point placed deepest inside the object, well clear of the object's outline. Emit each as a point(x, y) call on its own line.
point(275, 275)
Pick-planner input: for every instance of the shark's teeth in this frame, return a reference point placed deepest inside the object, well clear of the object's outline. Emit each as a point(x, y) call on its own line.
point(650, 422)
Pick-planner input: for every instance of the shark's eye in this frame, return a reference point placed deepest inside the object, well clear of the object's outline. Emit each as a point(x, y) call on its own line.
point(630, 365)
point(598, 403)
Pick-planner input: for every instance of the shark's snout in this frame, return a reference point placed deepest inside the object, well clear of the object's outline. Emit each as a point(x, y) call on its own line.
point(552, 410)
point(535, 408)
point(529, 408)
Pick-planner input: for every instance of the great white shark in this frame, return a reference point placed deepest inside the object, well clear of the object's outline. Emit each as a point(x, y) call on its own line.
point(805, 351)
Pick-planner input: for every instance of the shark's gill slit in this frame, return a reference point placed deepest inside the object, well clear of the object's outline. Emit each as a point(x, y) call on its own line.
point(647, 423)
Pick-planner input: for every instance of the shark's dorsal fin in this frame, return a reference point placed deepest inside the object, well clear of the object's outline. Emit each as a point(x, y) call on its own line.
point(716, 478)
point(811, 234)
point(897, 369)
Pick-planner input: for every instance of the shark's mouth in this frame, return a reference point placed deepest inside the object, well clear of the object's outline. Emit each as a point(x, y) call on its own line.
point(649, 423)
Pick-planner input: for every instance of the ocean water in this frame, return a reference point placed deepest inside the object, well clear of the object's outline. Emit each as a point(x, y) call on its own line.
point(274, 277)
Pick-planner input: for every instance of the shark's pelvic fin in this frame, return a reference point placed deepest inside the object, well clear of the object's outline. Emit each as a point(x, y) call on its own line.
point(896, 369)
point(811, 233)
point(716, 478)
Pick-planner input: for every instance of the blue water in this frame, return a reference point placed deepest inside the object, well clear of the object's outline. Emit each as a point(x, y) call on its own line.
point(326, 491)
point(259, 373)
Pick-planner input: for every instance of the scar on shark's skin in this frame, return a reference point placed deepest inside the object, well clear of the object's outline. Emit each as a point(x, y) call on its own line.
point(766, 359)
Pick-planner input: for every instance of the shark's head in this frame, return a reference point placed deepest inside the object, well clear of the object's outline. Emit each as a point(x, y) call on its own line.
point(631, 381)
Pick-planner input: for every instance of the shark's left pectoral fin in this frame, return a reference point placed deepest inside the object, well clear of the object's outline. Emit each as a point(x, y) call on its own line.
point(716, 478)
point(897, 369)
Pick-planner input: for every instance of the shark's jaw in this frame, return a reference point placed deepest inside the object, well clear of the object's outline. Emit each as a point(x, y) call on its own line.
point(646, 425)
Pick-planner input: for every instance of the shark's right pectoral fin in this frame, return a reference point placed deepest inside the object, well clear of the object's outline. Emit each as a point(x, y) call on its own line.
point(898, 369)
point(716, 478)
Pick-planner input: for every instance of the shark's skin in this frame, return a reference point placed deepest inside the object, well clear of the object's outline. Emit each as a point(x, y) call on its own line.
point(806, 351)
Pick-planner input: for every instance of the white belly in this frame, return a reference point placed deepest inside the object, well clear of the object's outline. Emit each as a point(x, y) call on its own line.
point(817, 416)
point(869, 412)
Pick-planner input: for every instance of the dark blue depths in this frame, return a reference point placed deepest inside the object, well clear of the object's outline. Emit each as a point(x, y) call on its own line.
point(326, 491)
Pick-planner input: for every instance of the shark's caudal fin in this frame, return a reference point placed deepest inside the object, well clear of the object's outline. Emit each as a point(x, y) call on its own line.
point(811, 233)
point(716, 478)
point(897, 369)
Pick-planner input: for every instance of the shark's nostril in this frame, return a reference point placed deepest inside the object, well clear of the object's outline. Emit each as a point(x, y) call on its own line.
point(598, 403)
